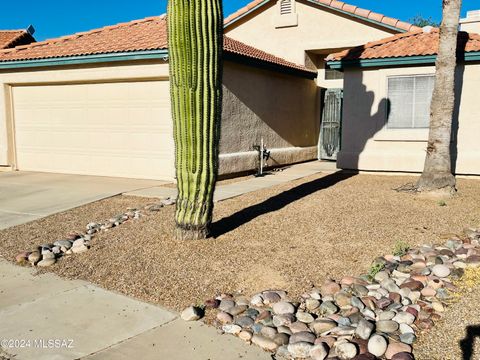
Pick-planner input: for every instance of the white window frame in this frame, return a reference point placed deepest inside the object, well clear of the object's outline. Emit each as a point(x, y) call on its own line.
point(387, 110)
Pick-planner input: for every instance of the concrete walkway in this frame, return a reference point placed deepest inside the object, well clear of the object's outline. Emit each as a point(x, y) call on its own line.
point(27, 196)
point(88, 322)
point(223, 192)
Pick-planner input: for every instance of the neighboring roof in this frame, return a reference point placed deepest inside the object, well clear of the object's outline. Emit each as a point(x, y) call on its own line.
point(338, 6)
point(422, 43)
point(11, 38)
point(136, 36)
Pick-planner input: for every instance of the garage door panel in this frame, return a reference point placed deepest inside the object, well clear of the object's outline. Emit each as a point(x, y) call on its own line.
point(114, 129)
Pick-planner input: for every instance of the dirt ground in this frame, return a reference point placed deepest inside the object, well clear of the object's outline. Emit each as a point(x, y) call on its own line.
point(291, 237)
point(457, 335)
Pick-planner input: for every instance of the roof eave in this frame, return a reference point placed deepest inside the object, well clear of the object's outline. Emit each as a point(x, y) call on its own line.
point(233, 21)
point(85, 59)
point(146, 55)
point(395, 61)
point(262, 64)
point(362, 18)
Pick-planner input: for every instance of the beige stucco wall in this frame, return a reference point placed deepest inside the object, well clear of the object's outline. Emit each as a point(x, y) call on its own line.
point(281, 109)
point(368, 145)
point(258, 103)
point(318, 29)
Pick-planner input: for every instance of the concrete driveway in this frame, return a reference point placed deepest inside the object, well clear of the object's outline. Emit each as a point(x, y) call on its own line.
point(27, 196)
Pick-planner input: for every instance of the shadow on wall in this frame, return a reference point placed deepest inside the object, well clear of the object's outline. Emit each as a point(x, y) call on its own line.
point(280, 108)
point(473, 332)
point(361, 119)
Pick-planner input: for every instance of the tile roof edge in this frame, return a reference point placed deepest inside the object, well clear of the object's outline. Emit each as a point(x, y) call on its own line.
point(336, 6)
point(341, 54)
point(83, 33)
point(287, 63)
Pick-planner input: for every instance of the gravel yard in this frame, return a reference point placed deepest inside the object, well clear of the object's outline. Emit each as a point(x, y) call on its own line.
point(289, 237)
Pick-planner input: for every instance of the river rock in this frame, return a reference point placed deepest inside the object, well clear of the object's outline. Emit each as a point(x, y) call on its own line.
point(364, 329)
point(231, 329)
point(224, 317)
point(328, 308)
point(330, 288)
point(34, 257)
point(46, 262)
point(270, 297)
point(67, 244)
point(320, 326)
point(283, 307)
point(191, 313)
point(300, 349)
point(298, 326)
point(377, 345)
point(304, 317)
point(79, 249)
point(312, 304)
point(244, 321)
point(286, 319)
point(269, 332)
point(408, 338)
point(319, 352)
point(403, 356)
point(237, 310)
point(226, 305)
point(387, 326)
point(281, 339)
point(22, 258)
point(264, 342)
point(441, 271)
point(346, 350)
point(303, 336)
point(404, 318)
point(245, 335)
point(397, 347)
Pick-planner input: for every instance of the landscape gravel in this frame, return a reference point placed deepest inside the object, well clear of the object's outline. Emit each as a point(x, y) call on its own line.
point(291, 236)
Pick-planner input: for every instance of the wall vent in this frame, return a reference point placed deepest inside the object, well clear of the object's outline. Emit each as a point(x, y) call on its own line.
point(286, 15)
point(286, 7)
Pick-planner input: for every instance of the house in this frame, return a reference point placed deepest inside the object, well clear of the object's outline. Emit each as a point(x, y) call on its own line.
point(12, 38)
point(388, 88)
point(98, 103)
point(305, 32)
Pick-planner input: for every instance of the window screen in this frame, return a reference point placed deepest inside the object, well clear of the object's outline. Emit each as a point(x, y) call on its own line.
point(332, 74)
point(409, 101)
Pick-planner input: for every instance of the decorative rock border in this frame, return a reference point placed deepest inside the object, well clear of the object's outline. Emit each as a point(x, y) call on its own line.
point(46, 255)
point(375, 315)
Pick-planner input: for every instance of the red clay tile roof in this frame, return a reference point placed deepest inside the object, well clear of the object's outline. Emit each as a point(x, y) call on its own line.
point(417, 43)
point(139, 35)
point(236, 47)
point(11, 38)
point(335, 5)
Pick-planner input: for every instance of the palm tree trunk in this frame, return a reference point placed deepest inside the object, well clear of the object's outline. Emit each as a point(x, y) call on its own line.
point(437, 172)
point(195, 31)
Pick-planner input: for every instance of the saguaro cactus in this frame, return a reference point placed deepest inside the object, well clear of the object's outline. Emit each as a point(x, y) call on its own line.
point(195, 30)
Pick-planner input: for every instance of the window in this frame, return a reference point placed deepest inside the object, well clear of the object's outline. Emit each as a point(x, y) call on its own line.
point(332, 74)
point(409, 101)
point(286, 7)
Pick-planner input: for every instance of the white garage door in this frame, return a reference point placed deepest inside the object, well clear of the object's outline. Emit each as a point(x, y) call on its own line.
point(108, 129)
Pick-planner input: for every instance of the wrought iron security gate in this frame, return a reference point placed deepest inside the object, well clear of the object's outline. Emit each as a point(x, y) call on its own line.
point(330, 129)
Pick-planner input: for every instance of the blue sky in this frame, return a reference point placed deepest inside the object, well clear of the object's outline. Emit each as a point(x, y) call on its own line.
point(53, 18)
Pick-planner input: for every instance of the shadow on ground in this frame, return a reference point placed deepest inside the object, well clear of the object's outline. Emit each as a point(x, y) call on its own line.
point(278, 202)
point(467, 343)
